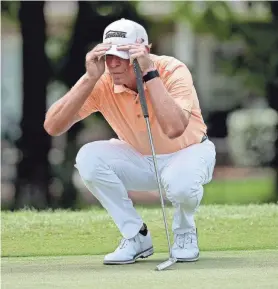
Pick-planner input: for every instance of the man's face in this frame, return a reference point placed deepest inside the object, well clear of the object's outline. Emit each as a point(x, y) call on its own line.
point(120, 69)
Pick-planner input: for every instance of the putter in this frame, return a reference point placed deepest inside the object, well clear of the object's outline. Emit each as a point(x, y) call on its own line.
point(171, 261)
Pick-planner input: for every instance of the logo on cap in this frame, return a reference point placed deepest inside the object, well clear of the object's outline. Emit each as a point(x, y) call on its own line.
point(112, 33)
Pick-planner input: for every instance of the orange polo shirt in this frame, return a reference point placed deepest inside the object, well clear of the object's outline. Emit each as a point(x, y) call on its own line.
point(121, 108)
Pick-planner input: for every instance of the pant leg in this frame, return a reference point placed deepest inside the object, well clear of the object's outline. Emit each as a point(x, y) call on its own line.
point(183, 178)
point(109, 169)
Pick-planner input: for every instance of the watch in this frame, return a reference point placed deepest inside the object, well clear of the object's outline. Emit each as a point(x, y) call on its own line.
point(150, 75)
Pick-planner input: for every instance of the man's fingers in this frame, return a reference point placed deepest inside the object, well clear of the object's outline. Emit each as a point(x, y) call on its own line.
point(137, 50)
point(128, 47)
point(99, 48)
point(123, 48)
point(102, 47)
point(136, 55)
point(96, 57)
point(94, 54)
point(139, 40)
point(98, 53)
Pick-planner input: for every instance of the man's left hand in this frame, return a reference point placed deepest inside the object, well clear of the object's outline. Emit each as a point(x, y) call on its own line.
point(140, 52)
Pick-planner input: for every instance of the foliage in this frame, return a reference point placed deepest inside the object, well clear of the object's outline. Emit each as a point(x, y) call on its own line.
point(204, 18)
point(256, 66)
point(10, 9)
point(257, 62)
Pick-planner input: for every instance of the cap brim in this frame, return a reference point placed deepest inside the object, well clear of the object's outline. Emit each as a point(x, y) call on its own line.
point(113, 51)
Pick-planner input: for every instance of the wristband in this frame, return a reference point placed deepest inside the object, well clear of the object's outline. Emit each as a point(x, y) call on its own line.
point(150, 75)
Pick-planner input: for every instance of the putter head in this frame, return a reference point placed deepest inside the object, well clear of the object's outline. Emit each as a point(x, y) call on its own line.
point(166, 264)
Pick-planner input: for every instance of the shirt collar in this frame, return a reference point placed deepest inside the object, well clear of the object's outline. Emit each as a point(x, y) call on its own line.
point(119, 88)
point(122, 88)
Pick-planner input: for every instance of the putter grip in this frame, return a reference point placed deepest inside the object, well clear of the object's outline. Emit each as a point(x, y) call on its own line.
point(140, 87)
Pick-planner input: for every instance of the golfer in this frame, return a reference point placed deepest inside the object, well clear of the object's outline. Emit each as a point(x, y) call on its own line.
point(109, 169)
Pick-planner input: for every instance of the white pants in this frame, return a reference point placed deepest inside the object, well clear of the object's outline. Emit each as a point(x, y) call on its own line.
point(110, 169)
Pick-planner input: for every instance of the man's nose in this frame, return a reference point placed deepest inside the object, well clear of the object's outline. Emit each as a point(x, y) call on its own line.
point(114, 61)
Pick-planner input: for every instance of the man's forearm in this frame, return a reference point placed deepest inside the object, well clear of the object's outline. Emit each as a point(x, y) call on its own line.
point(172, 119)
point(62, 114)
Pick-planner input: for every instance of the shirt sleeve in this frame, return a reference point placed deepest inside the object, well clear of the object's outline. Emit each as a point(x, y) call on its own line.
point(179, 84)
point(92, 103)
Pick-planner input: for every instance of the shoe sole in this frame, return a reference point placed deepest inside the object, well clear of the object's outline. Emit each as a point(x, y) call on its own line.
point(143, 255)
point(180, 260)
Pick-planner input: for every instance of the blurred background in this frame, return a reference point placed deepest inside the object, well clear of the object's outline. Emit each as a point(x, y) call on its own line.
point(230, 48)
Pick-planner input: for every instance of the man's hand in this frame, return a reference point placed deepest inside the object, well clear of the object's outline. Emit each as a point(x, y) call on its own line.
point(140, 52)
point(95, 63)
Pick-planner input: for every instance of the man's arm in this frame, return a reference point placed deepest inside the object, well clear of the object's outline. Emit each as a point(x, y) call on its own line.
point(81, 100)
point(172, 106)
point(65, 112)
point(171, 102)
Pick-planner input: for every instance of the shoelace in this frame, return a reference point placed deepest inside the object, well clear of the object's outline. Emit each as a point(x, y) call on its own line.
point(182, 239)
point(124, 242)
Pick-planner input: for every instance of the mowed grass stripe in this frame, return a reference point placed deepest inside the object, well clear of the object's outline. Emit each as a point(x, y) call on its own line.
point(91, 232)
point(215, 270)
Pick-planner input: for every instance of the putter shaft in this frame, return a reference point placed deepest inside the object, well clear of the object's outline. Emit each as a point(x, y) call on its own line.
point(159, 185)
point(142, 97)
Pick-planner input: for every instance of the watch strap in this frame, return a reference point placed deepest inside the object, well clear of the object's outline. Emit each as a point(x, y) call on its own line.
point(150, 75)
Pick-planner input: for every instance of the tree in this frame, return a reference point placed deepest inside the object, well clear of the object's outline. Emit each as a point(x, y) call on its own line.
point(33, 171)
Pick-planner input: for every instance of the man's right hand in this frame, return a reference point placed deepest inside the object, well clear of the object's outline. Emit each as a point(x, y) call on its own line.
point(95, 65)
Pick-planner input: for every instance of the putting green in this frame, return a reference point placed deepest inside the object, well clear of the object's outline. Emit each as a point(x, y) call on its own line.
point(230, 269)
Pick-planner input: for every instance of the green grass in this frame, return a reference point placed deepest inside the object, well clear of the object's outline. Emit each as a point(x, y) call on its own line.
point(30, 233)
point(246, 191)
point(239, 250)
point(215, 270)
point(221, 192)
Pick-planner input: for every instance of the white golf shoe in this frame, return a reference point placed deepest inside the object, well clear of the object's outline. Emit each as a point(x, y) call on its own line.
point(185, 247)
point(131, 249)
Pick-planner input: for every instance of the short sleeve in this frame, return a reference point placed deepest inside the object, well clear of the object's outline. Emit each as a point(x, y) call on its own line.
point(91, 105)
point(179, 85)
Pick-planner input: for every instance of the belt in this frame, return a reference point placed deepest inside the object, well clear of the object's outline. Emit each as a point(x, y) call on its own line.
point(205, 137)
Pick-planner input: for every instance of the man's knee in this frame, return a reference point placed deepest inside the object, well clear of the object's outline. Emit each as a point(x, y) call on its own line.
point(188, 192)
point(89, 160)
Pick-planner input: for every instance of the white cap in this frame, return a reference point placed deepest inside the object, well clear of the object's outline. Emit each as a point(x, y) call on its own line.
point(122, 32)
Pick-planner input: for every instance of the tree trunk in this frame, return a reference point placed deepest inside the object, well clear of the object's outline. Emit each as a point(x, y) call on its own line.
point(71, 70)
point(33, 170)
point(273, 103)
point(272, 94)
